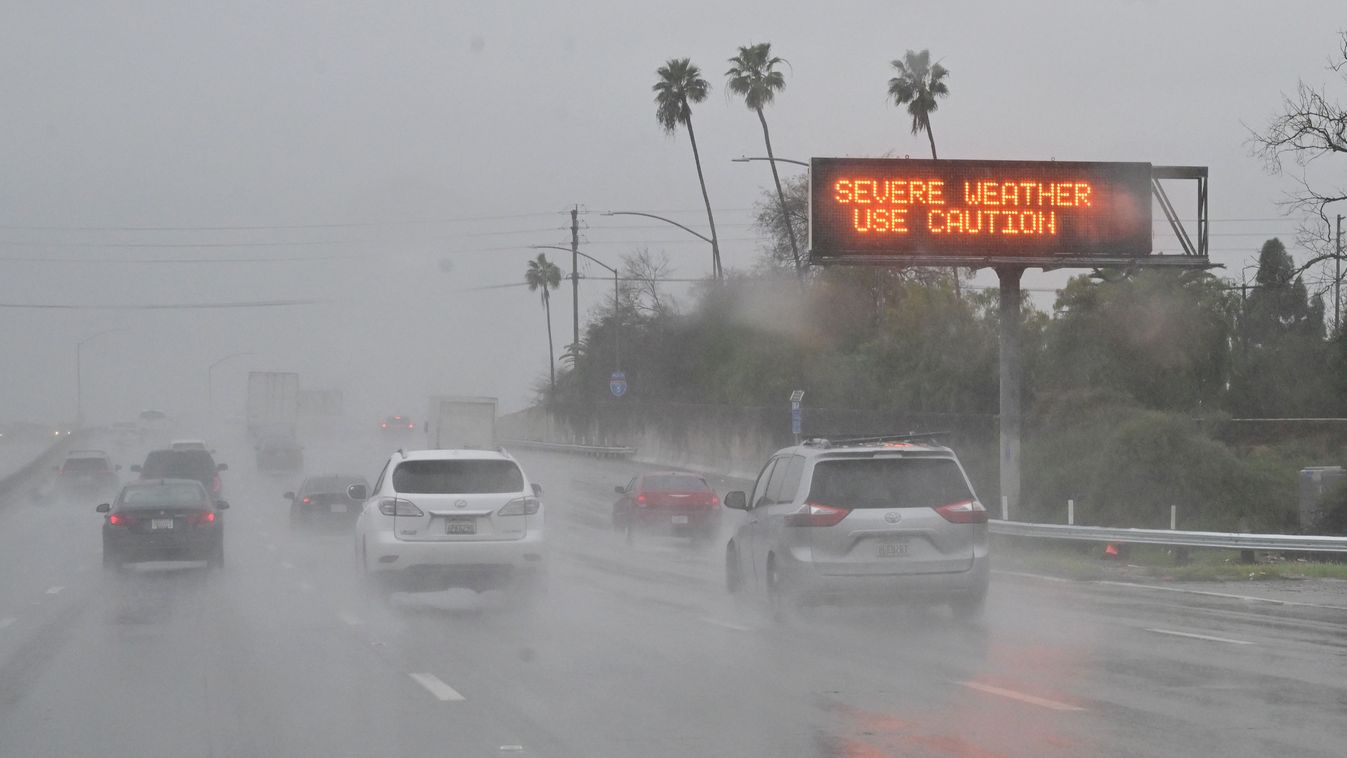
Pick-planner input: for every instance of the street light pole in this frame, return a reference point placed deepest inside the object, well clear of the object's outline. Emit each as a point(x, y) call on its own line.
point(79, 374)
point(746, 159)
point(210, 379)
point(715, 270)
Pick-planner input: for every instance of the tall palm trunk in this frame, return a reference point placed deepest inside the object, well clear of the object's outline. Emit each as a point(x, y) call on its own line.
point(781, 196)
point(715, 241)
point(954, 272)
point(551, 355)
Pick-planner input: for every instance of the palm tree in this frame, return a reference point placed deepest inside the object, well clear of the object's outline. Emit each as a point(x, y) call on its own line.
point(680, 85)
point(917, 86)
point(753, 75)
point(544, 274)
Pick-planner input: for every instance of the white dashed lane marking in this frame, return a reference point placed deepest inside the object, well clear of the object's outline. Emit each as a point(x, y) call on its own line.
point(727, 625)
point(437, 688)
point(1193, 636)
point(54, 590)
point(350, 619)
point(1022, 697)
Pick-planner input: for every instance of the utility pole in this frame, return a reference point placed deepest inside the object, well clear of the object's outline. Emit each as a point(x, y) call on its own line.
point(575, 278)
point(1337, 283)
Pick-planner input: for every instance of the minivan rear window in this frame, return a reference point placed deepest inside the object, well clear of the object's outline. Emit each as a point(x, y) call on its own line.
point(888, 483)
point(471, 477)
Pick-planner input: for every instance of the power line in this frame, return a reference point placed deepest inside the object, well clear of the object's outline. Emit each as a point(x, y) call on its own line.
point(162, 306)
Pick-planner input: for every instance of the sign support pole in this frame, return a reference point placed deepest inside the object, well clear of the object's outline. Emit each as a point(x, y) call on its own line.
point(1011, 315)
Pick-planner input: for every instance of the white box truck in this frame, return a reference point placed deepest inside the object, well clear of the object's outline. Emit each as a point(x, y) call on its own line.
point(461, 422)
point(272, 401)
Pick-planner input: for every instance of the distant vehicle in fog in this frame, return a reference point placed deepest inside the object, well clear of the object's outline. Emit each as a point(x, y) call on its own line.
point(184, 464)
point(879, 521)
point(325, 500)
point(668, 502)
point(272, 401)
point(163, 520)
point(279, 452)
point(87, 473)
point(461, 422)
point(397, 424)
point(452, 518)
point(188, 445)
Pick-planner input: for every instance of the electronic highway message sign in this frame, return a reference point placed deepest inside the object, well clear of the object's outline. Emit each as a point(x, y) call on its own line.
point(1004, 210)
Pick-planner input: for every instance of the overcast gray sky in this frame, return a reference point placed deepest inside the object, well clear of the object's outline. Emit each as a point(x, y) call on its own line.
point(378, 139)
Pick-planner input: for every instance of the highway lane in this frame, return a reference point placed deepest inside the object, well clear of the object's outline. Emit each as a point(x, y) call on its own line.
point(636, 650)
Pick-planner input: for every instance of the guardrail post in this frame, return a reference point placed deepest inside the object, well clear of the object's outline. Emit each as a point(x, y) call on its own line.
point(1070, 512)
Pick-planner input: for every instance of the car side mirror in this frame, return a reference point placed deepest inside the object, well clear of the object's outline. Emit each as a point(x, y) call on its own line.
point(103, 508)
point(357, 492)
point(136, 468)
point(289, 496)
point(619, 489)
point(221, 505)
point(537, 490)
point(222, 467)
point(736, 500)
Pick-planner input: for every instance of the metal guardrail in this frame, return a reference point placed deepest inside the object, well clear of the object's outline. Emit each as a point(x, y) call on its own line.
point(1290, 543)
point(14, 480)
point(599, 451)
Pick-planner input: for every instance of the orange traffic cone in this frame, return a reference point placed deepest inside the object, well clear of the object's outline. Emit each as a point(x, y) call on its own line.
point(1111, 551)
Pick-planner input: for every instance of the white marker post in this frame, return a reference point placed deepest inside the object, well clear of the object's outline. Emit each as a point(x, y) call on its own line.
point(1005, 508)
point(1070, 512)
point(1173, 517)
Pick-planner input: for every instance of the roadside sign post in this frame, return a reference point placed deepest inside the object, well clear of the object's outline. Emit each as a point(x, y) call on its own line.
point(796, 414)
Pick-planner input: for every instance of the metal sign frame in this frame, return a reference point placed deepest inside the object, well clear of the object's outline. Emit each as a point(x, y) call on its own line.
point(1193, 247)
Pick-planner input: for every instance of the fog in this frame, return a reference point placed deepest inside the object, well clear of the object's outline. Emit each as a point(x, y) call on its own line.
point(340, 152)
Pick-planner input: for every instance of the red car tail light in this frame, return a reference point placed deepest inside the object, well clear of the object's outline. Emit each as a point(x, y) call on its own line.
point(816, 514)
point(121, 519)
point(963, 512)
point(201, 519)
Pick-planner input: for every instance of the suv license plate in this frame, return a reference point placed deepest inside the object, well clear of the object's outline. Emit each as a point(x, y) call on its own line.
point(161, 523)
point(896, 549)
point(680, 519)
point(461, 526)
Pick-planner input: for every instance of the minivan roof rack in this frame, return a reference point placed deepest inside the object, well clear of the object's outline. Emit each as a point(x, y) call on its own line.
point(833, 441)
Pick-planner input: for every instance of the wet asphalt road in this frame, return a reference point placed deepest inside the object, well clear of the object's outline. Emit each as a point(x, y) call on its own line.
point(635, 651)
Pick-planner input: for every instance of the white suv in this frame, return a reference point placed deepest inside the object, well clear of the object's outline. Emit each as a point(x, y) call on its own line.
point(451, 518)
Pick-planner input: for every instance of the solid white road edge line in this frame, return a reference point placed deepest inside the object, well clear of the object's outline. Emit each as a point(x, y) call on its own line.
point(437, 688)
point(1193, 636)
point(726, 625)
point(1022, 697)
point(1159, 588)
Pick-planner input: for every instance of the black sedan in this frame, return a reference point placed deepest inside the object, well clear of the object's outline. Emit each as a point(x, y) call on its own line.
point(323, 500)
point(163, 520)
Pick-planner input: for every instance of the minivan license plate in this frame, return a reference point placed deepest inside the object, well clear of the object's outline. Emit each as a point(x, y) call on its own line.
point(895, 549)
point(461, 526)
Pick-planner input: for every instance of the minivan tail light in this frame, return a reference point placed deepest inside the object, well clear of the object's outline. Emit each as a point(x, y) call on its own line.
point(396, 506)
point(963, 512)
point(816, 514)
point(520, 506)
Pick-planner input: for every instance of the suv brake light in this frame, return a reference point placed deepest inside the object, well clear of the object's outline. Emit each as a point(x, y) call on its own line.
point(520, 506)
point(396, 506)
point(963, 512)
point(816, 514)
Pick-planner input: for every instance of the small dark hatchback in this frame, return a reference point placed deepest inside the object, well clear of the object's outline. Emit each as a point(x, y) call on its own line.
point(163, 520)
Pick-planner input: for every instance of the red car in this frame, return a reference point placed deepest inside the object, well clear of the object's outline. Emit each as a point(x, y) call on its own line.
point(667, 501)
